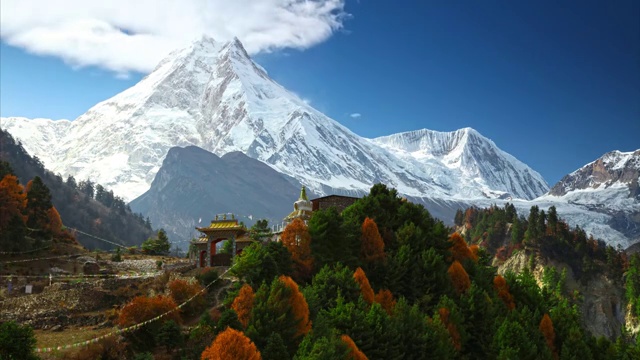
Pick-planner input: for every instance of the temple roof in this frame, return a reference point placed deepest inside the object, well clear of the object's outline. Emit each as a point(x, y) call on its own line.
point(225, 227)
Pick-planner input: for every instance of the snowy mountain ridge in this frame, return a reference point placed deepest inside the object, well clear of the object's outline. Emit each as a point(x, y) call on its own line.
point(212, 95)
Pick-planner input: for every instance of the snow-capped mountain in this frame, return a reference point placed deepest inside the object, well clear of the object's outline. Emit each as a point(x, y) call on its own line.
point(476, 160)
point(607, 186)
point(212, 95)
point(610, 181)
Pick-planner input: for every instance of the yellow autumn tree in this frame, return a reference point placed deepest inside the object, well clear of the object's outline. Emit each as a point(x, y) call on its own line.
point(297, 240)
point(459, 277)
point(231, 344)
point(372, 243)
point(243, 304)
point(354, 352)
point(365, 287)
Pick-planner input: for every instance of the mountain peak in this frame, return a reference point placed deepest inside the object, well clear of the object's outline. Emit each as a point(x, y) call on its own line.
point(615, 169)
point(212, 95)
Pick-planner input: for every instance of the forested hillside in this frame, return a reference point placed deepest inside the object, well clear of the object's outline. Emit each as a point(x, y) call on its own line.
point(84, 206)
point(384, 280)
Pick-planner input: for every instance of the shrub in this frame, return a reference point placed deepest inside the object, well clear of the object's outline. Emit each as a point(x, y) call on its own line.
point(182, 291)
point(207, 276)
point(144, 308)
point(16, 341)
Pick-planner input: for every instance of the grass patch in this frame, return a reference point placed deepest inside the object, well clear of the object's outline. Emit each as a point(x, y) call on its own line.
point(47, 338)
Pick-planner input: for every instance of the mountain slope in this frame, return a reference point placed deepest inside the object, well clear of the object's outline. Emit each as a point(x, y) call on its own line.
point(467, 155)
point(193, 183)
point(76, 209)
point(212, 95)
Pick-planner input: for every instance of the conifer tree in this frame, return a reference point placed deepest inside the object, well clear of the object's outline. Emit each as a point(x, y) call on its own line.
point(365, 287)
point(38, 203)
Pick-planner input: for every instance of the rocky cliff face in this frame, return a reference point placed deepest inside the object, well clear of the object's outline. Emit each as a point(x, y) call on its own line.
point(603, 307)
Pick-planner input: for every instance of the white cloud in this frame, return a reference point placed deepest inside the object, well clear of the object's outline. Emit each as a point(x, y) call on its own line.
point(356, 115)
point(124, 36)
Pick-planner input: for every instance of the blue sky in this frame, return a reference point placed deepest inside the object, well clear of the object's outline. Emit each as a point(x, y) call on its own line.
point(556, 84)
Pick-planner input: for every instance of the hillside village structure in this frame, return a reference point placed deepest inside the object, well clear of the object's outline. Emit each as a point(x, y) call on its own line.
point(223, 227)
point(226, 227)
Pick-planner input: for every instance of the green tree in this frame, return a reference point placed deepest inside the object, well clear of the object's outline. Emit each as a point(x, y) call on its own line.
point(332, 240)
point(170, 335)
point(261, 232)
point(159, 245)
point(5, 169)
point(17, 342)
point(262, 263)
point(632, 284)
point(275, 349)
point(330, 283)
point(278, 309)
point(38, 203)
point(322, 348)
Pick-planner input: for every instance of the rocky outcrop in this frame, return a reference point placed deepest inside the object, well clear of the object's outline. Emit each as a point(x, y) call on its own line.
point(602, 307)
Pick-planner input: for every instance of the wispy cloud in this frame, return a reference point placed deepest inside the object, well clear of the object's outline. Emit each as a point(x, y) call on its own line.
point(355, 115)
point(124, 36)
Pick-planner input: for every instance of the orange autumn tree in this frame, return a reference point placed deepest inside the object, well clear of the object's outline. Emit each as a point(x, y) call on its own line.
point(231, 344)
point(459, 277)
point(501, 286)
point(384, 297)
point(297, 240)
point(243, 304)
point(546, 328)
point(13, 201)
point(182, 290)
point(372, 244)
point(354, 352)
point(55, 222)
point(299, 306)
point(365, 287)
point(460, 251)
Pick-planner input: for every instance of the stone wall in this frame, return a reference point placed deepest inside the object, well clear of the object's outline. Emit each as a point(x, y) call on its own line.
point(337, 201)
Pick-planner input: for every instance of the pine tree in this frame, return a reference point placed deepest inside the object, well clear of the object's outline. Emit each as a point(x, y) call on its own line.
point(38, 203)
point(275, 349)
